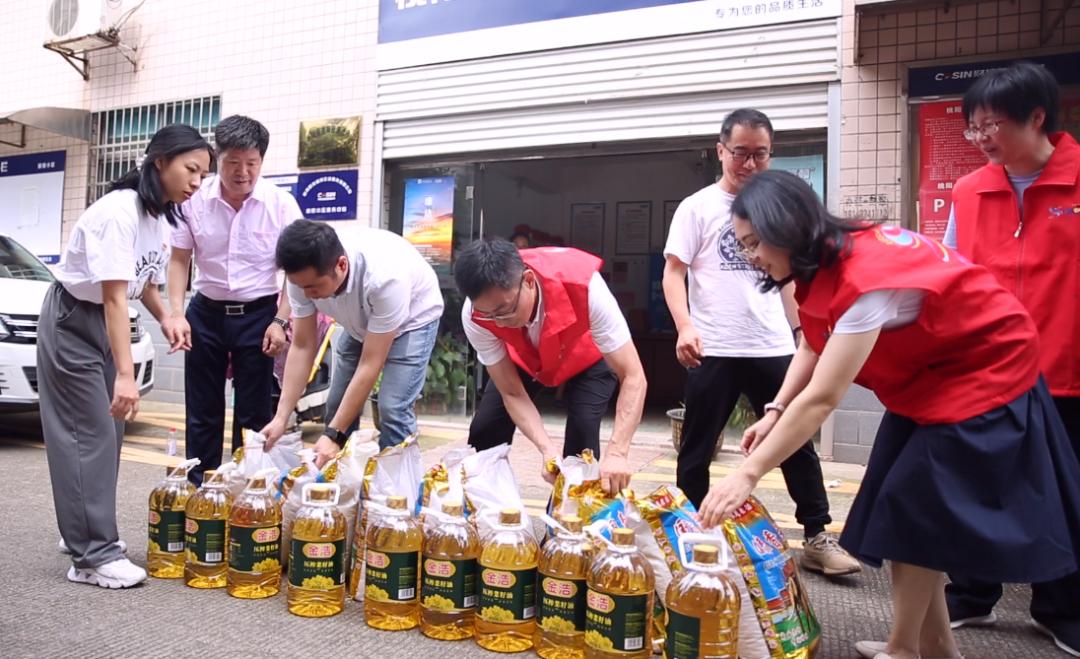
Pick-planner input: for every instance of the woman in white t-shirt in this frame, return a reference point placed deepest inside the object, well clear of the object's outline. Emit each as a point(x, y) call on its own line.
point(86, 379)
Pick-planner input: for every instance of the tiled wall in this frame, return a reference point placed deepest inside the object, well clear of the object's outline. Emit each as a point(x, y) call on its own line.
point(873, 108)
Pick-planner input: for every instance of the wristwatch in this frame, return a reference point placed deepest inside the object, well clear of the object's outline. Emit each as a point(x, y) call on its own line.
point(779, 407)
point(336, 435)
point(281, 322)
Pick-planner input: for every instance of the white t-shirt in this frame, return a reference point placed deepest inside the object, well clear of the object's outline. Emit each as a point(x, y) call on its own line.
point(606, 324)
point(889, 308)
point(114, 240)
point(734, 318)
point(391, 288)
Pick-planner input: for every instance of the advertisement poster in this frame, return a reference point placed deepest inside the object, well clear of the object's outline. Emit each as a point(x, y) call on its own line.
point(428, 219)
point(587, 227)
point(809, 168)
point(944, 156)
point(327, 195)
point(32, 190)
point(329, 142)
point(633, 227)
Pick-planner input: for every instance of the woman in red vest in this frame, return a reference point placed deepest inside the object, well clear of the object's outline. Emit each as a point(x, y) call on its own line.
point(971, 471)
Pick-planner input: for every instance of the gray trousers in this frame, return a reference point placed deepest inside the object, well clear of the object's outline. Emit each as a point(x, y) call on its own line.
point(76, 373)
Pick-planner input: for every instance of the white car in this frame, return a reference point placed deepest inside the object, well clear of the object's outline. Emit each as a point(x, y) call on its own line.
point(23, 283)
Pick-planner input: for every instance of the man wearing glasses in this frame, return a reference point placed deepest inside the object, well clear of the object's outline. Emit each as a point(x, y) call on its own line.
point(734, 339)
point(541, 318)
point(1019, 215)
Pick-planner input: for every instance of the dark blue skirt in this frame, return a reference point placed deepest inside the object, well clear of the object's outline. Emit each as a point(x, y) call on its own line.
point(995, 497)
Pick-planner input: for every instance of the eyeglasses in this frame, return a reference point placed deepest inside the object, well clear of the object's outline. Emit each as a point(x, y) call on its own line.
point(747, 251)
point(989, 129)
point(506, 314)
point(740, 156)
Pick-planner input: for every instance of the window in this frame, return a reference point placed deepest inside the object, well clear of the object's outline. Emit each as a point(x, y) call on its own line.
point(119, 137)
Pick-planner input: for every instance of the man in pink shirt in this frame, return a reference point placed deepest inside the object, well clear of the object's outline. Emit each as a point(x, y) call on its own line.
point(232, 227)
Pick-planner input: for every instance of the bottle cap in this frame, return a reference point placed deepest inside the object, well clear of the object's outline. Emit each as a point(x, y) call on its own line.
point(320, 492)
point(453, 509)
point(623, 537)
point(705, 554)
point(509, 516)
point(572, 523)
point(396, 502)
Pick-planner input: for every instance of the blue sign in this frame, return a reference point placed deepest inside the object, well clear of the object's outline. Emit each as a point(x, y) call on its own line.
point(286, 182)
point(327, 195)
point(401, 20)
point(954, 79)
point(34, 163)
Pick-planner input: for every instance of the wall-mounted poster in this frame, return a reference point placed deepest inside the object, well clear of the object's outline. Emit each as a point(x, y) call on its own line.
point(32, 190)
point(428, 219)
point(329, 142)
point(587, 227)
point(809, 168)
point(944, 156)
point(327, 195)
point(633, 227)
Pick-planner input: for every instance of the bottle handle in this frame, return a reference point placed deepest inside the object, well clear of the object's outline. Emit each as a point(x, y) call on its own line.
point(305, 494)
point(184, 466)
point(704, 538)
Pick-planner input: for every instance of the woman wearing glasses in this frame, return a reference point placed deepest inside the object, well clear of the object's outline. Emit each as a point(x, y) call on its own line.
point(971, 471)
point(1019, 215)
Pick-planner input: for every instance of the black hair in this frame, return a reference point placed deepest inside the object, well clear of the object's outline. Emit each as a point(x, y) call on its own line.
point(166, 144)
point(520, 234)
point(239, 133)
point(785, 212)
point(487, 264)
point(744, 117)
point(1016, 92)
point(306, 244)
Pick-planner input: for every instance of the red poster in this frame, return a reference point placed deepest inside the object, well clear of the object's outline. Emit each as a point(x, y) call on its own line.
point(944, 156)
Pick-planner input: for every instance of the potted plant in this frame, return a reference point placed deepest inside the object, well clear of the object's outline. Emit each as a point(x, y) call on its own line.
point(740, 420)
point(447, 371)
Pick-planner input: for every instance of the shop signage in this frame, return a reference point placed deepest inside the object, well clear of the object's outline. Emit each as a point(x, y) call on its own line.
point(327, 195)
point(954, 79)
point(428, 220)
point(32, 201)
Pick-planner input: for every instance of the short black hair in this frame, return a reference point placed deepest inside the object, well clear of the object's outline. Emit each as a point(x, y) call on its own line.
point(239, 133)
point(786, 213)
point(306, 244)
point(487, 264)
point(166, 144)
point(1016, 92)
point(744, 117)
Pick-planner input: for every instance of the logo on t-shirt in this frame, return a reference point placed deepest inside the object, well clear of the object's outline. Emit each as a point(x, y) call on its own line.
point(147, 267)
point(728, 247)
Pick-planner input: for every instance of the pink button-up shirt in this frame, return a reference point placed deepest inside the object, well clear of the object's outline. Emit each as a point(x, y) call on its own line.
point(234, 250)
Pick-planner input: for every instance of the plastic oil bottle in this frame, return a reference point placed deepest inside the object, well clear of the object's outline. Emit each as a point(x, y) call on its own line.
point(703, 609)
point(206, 536)
point(359, 541)
point(563, 571)
point(317, 553)
point(165, 546)
point(255, 541)
point(506, 620)
point(618, 619)
point(448, 576)
point(392, 567)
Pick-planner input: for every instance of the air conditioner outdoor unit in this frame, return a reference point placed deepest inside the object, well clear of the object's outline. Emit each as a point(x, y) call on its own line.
point(71, 19)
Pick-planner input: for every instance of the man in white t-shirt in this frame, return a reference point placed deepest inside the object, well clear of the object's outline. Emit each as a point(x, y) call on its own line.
point(734, 339)
point(541, 318)
point(379, 288)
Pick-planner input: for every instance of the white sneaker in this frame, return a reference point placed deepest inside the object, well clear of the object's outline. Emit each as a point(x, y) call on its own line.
point(120, 573)
point(66, 551)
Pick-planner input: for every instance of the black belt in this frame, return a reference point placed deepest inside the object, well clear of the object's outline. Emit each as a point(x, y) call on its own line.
point(236, 308)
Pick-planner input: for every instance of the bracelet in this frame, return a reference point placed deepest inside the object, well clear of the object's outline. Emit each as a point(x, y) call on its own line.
point(779, 407)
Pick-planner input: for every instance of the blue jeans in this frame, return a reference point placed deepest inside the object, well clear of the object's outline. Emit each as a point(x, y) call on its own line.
point(403, 378)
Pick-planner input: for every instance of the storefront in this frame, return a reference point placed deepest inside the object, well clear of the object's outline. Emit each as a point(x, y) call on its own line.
point(585, 126)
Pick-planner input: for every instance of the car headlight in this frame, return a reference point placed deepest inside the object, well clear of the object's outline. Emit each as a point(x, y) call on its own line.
point(136, 323)
point(4, 331)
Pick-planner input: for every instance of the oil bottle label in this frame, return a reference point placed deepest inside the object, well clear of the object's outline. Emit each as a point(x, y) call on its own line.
point(683, 636)
point(167, 530)
point(255, 548)
point(507, 595)
point(616, 622)
point(448, 585)
point(562, 605)
point(205, 539)
point(317, 565)
point(391, 576)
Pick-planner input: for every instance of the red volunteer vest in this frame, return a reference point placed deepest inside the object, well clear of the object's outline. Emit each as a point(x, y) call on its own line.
point(566, 344)
point(973, 347)
point(1041, 265)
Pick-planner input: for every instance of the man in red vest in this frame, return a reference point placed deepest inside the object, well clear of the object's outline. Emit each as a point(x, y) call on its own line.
point(542, 318)
point(1019, 215)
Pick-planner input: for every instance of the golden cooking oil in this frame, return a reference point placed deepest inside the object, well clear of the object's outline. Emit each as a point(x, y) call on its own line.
point(448, 576)
point(392, 568)
point(165, 546)
point(206, 533)
point(316, 587)
point(564, 568)
point(506, 619)
point(356, 553)
point(618, 618)
point(255, 543)
point(703, 610)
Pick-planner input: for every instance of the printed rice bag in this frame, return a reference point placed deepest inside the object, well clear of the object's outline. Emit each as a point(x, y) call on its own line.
point(573, 472)
point(443, 483)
